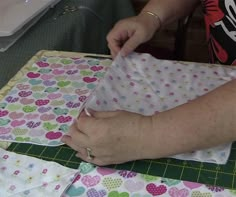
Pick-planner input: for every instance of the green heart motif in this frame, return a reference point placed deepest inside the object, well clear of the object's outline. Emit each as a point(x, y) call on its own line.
point(29, 109)
point(117, 194)
point(77, 84)
point(21, 139)
point(64, 128)
point(38, 95)
point(170, 182)
point(60, 78)
point(86, 73)
point(52, 60)
point(33, 69)
point(93, 62)
point(99, 74)
point(112, 183)
point(37, 88)
point(57, 102)
point(74, 113)
point(19, 131)
point(91, 86)
point(63, 83)
point(3, 105)
point(13, 107)
point(200, 194)
point(233, 191)
point(44, 70)
point(66, 61)
point(149, 178)
point(60, 111)
point(35, 81)
point(73, 191)
point(85, 168)
point(51, 89)
point(49, 127)
point(4, 122)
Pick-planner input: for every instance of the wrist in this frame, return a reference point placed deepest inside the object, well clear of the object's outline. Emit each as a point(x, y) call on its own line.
point(154, 17)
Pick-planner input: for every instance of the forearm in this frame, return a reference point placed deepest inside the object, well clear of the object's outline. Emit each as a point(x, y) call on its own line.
point(171, 10)
point(205, 122)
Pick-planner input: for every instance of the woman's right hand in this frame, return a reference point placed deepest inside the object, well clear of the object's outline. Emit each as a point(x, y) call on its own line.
point(129, 33)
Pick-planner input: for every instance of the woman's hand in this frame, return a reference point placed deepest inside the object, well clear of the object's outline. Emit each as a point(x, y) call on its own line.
point(129, 33)
point(113, 137)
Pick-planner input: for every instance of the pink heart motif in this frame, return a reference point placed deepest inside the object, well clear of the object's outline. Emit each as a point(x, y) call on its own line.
point(56, 65)
point(72, 105)
point(33, 124)
point(46, 77)
point(41, 102)
point(17, 123)
point(96, 68)
point(11, 99)
point(133, 186)
point(4, 130)
point(24, 93)
point(90, 181)
point(3, 113)
point(191, 185)
point(26, 101)
point(44, 109)
point(94, 193)
point(64, 119)
point(58, 72)
point(81, 92)
point(175, 192)
point(47, 117)
point(53, 96)
point(82, 98)
point(42, 64)
point(33, 75)
point(53, 135)
point(105, 171)
point(31, 116)
point(89, 79)
point(23, 87)
point(15, 115)
point(156, 190)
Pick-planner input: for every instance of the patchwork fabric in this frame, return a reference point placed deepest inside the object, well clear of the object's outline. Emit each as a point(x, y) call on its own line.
point(100, 182)
point(41, 106)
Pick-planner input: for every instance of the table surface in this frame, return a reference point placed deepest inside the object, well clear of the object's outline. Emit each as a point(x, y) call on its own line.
point(212, 174)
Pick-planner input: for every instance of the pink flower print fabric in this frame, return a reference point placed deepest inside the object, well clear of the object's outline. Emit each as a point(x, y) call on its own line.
point(40, 108)
point(22, 175)
point(100, 182)
point(142, 84)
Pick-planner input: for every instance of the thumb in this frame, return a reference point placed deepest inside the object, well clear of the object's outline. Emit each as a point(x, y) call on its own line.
point(131, 44)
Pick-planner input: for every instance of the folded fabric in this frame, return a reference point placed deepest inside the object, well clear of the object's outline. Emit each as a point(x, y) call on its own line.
point(100, 182)
point(22, 175)
point(142, 84)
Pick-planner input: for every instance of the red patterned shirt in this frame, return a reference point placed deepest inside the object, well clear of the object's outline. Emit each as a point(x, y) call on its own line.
point(220, 18)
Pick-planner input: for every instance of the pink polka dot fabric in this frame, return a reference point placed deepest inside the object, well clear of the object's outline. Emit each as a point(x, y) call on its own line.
point(143, 84)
